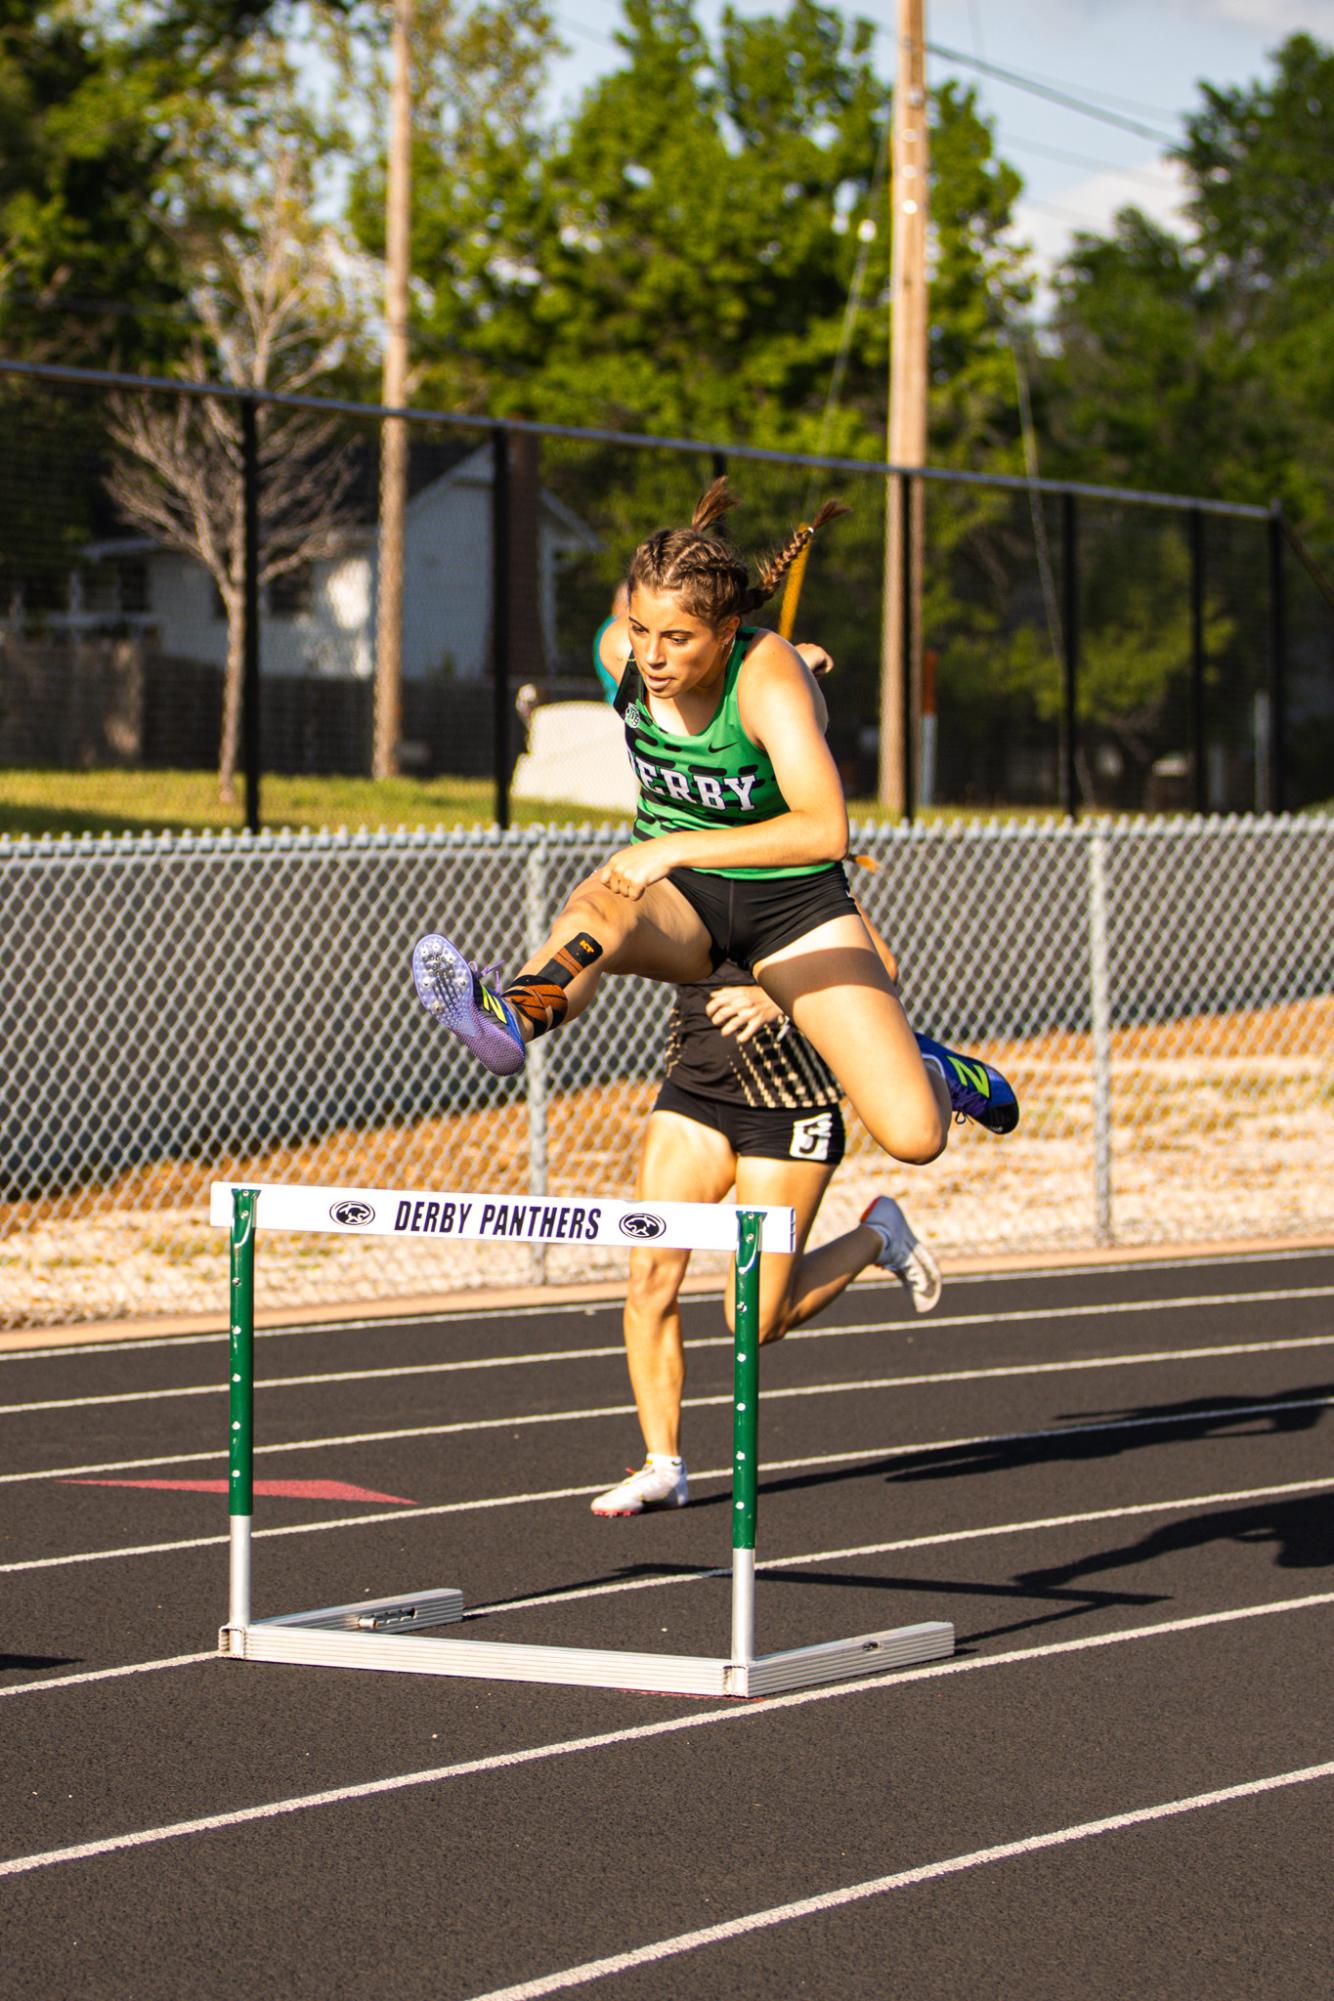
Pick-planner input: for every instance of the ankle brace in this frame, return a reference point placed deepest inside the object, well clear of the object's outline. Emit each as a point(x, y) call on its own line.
point(540, 997)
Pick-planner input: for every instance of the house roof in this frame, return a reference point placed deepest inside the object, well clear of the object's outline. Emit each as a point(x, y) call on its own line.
point(431, 459)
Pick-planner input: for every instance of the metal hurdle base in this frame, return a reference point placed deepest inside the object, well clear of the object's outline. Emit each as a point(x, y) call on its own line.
point(392, 1635)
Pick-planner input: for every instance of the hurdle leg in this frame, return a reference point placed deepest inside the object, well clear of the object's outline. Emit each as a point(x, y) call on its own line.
point(745, 1437)
point(749, 1674)
point(241, 1416)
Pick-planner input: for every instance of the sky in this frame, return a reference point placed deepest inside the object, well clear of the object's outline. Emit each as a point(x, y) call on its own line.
point(1140, 59)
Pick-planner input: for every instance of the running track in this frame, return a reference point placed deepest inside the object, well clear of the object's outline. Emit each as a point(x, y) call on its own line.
point(1116, 1483)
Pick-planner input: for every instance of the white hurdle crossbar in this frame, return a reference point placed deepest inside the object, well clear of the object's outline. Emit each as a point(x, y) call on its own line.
point(397, 1633)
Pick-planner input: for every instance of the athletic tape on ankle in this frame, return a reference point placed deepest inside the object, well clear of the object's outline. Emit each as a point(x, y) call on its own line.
point(541, 996)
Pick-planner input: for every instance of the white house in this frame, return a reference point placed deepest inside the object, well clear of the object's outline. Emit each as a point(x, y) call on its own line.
point(320, 619)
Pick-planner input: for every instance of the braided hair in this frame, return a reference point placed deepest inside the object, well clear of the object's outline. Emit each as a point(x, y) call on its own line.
point(704, 571)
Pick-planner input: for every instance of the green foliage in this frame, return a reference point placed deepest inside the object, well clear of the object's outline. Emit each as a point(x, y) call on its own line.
point(124, 127)
point(82, 161)
point(678, 259)
point(1204, 362)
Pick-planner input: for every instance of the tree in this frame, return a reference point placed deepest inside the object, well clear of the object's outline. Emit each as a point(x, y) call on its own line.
point(106, 109)
point(478, 73)
point(678, 259)
point(1203, 360)
point(265, 309)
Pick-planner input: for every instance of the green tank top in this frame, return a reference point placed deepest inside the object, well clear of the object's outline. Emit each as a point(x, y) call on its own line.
point(695, 784)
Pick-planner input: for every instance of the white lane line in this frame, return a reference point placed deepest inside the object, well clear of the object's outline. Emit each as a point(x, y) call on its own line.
point(901, 1879)
point(109, 1674)
point(401, 1323)
point(616, 1349)
point(387, 1323)
point(461, 1426)
point(770, 1467)
point(483, 1362)
point(1034, 1526)
point(1182, 1504)
point(83, 1851)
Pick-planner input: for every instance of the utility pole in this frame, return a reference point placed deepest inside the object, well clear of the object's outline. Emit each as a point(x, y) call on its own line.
point(394, 393)
point(901, 635)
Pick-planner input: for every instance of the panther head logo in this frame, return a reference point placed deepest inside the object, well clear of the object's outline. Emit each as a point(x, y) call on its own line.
point(355, 1214)
point(643, 1226)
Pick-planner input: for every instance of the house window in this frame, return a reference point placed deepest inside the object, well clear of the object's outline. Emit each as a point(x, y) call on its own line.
point(45, 591)
point(99, 589)
point(132, 581)
point(292, 593)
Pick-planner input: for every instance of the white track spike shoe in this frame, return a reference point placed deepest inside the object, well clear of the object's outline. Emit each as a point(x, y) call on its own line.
point(657, 1484)
point(904, 1254)
point(484, 1022)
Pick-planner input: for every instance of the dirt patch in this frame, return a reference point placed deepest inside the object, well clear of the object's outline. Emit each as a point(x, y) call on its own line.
point(1221, 1126)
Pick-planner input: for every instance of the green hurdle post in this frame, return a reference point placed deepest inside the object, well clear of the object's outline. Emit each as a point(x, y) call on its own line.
point(241, 1411)
point(745, 1431)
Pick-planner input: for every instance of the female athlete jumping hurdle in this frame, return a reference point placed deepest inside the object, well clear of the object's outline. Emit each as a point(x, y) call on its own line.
point(736, 852)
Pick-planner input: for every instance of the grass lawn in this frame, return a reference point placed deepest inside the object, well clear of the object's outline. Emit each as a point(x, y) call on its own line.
point(129, 802)
point(153, 802)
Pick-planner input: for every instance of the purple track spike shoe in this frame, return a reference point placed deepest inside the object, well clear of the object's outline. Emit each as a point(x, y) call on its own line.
point(976, 1090)
point(449, 989)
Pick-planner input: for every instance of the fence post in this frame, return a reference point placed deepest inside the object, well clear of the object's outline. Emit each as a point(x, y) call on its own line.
point(535, 1069)
point(1278, 666)
point(1101, 1012)
point(500, 621)
point(1198, 748)
point(1070, 661)
point(250, 727)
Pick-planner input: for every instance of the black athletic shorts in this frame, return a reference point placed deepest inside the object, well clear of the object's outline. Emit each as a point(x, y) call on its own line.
point(762, 1132)
point(752, 917)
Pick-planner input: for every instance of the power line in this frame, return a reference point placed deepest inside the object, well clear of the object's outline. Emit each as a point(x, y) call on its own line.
point(1084, 91)
point(1087, 223)
point(1063, 97)
point(569, 25)
point(1012, 144)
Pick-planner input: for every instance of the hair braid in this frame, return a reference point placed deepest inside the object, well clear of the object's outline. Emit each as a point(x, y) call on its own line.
point(704, 571)
point(772, 569)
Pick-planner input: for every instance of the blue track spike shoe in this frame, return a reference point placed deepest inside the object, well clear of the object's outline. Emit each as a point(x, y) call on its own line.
point(448, 988)
point(976, 1090)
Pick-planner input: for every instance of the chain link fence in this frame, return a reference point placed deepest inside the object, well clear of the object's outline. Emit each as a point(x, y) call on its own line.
point(193, 622)
point(185, 1008)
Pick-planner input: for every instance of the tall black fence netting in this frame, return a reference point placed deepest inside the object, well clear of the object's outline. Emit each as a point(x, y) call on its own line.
point(215, 611)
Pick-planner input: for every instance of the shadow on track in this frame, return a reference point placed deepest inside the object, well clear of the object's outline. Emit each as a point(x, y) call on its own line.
point(1301, 1530)
point(1200, 1418)
point(1071, 1603)
point(628, 1573)
point(1100, 1435)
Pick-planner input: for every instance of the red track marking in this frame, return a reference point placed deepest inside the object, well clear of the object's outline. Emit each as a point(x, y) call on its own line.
point(288, 1490)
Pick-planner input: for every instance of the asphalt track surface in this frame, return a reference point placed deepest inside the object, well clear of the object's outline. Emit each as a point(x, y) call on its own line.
point(1116, 1483)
